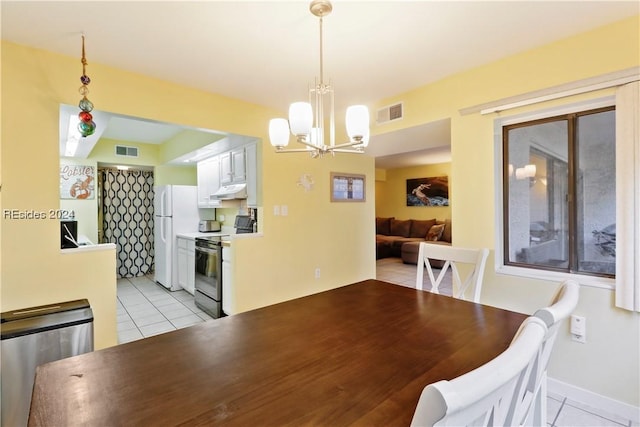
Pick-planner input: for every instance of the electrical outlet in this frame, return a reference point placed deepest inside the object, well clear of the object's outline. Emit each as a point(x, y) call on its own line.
point(578, 329)
point(317, 273)
point(276, 210)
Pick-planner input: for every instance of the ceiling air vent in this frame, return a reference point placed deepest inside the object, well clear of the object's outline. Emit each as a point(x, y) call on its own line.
point(122, 150)
point(389, 113)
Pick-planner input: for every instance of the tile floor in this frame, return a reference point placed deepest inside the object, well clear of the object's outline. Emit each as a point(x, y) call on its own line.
point(146, 309)
point(561, 412)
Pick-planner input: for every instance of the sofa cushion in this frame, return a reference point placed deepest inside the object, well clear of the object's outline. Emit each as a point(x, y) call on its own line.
point(409, 253)
point(400, 227)
point(420, 228)
point(435, 232)
point(398, 242)
point(383, 226)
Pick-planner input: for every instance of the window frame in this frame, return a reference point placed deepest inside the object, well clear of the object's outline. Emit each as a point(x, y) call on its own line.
point(500, 266)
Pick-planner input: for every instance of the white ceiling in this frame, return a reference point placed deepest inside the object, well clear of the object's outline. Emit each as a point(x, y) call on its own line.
point(266, 52)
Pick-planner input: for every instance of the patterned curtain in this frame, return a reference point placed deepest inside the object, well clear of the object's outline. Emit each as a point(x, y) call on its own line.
point(127, 211)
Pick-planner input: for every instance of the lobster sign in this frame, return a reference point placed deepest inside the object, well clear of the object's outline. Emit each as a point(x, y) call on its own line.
point(77, 182)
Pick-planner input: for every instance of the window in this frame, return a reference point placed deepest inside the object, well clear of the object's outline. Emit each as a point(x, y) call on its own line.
point(559, 176)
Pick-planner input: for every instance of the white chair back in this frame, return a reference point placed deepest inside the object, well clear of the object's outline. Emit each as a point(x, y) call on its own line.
point(533, 410)
point(452, 257)
point(489, 395)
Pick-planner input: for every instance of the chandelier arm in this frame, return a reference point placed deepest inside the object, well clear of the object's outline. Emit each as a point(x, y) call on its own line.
point(293, 150)
point(308, 144)
point(347, 144)
point(346, 150)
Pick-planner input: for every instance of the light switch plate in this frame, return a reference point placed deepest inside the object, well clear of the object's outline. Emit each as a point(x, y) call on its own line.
point(578, 328)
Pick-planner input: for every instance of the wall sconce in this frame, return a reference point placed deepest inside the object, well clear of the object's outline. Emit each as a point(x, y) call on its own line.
point(529, 171)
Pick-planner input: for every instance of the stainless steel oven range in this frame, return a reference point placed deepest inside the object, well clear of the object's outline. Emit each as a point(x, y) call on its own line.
point(208, 278)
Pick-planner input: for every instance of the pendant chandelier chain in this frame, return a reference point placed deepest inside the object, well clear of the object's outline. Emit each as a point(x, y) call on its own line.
point(84, 59)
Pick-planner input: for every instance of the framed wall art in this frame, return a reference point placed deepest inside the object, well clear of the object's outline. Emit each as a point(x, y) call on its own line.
point(428, 191)
point(77, 182)
point(346, 187)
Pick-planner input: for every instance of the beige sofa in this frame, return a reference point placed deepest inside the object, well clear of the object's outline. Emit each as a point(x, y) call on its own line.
point(401, 238)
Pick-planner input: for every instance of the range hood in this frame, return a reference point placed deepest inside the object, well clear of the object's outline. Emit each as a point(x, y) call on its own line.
point(230, 192)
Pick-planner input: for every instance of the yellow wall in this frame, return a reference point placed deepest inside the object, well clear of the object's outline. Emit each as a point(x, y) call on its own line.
point(105, 151)
point(275, 267)
point(391, 192)
point(338, 238)
point(154, 155)
point(185, 142)
point(612, 331)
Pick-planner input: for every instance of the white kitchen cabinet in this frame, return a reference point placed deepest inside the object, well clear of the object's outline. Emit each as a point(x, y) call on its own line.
point(208, 171)
point(252, 171)
point(191, 266)
point(186, 264)
point(233, 169)
point(227, 282)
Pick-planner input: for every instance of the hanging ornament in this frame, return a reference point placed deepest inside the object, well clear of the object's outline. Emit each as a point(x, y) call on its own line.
point(86, 126)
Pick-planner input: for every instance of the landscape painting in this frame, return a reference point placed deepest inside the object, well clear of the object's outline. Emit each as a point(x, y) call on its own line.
point(428, 191)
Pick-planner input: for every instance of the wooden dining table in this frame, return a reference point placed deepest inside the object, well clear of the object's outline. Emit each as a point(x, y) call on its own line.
point(356, 355)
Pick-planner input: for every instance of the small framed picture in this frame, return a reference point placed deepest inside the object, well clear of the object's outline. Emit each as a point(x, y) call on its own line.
point(346, 187)
point(77, 182)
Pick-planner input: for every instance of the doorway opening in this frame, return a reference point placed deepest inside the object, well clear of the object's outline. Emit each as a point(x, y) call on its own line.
point(125, 217)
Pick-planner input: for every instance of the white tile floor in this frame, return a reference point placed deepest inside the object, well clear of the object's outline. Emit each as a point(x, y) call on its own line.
point(146, 309)
point(561, 412)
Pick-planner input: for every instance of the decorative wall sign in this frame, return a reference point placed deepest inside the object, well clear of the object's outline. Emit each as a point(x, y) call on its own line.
point(428, 191)
point(77, 182)
point(347, 187)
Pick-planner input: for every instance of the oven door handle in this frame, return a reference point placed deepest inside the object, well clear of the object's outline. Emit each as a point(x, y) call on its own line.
point(207, 251)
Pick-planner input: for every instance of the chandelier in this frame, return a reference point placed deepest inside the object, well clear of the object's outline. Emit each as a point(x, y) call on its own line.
point(307, 119)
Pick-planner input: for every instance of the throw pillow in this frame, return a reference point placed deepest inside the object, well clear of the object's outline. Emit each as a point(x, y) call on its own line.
point(383, 226)
point(435, 233)
point(446, 236)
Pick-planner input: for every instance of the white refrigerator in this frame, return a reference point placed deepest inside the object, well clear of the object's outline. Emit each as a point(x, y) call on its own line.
point(175, 211)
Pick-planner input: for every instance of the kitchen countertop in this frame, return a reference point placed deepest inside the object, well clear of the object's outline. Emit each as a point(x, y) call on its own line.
point(196, 234)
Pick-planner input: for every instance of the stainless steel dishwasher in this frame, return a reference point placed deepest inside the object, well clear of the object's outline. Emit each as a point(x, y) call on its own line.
point(33, 336)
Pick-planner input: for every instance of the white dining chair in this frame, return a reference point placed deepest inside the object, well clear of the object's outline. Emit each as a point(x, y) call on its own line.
point(488, 395)
point(533, 409)
point(453, 256)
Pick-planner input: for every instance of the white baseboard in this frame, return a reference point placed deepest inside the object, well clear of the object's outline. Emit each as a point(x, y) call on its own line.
point(594, 400)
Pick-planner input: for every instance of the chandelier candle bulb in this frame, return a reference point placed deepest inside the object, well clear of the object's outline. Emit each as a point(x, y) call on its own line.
point(357, 121)
point(279, 132)
point(300, 118)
